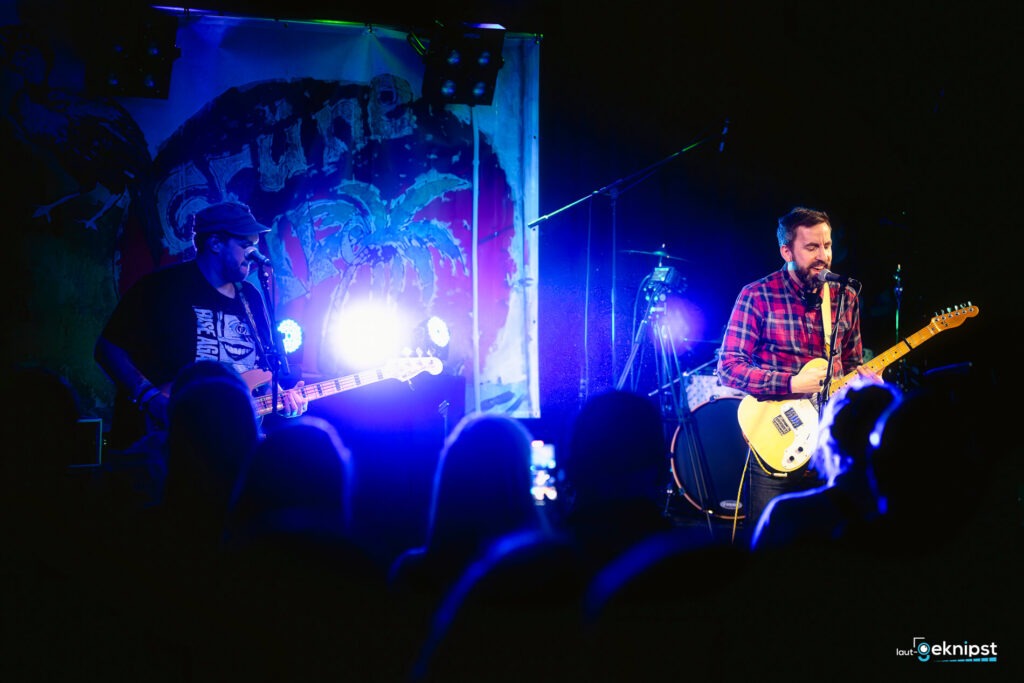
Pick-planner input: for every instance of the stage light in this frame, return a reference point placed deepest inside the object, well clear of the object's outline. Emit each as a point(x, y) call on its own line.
point(462, 64)
point(291, 335)
point(367, 335)
point(131, 54)
point(431, 338)
point(438, 331)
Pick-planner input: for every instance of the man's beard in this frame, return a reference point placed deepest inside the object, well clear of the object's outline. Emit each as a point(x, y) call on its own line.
point(808, 279)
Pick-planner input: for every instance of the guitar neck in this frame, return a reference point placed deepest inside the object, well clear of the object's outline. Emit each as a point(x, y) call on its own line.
point(890, 355)
point(264, 404)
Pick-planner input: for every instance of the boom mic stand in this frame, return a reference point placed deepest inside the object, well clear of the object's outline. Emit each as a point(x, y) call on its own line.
point(275, 359)
point(614, 190)
point(901, 364)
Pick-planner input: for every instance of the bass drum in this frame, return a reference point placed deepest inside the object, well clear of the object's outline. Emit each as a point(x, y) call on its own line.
point(712, 484)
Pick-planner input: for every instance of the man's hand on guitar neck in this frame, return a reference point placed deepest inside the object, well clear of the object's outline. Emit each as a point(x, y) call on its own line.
point(869, 374)
point(811, 378)
point(293, 402)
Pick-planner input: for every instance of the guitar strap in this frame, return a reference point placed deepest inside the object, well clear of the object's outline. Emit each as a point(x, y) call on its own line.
point(826, 317)
point(261, 350)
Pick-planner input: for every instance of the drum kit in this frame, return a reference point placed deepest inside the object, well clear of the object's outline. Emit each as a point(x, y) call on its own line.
point(708, 451)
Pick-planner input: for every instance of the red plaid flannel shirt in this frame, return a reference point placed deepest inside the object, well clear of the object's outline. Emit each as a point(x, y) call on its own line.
point(772, 333)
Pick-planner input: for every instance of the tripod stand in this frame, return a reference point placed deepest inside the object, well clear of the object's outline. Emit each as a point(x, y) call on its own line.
point(669, 374)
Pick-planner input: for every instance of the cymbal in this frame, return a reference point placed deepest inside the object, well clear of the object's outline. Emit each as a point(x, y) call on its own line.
point(660, 254)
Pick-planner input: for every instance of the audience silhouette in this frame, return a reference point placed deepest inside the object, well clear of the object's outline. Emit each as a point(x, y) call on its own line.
point(615, 472)
point(300, 597)
point(481, 492)
point(246, 565)
point(847, 499)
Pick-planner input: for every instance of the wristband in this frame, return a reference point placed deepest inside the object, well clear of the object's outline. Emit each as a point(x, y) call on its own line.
point(142, 391)
point(150, 394)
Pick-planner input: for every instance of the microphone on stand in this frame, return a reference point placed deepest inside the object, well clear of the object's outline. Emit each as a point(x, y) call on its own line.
point(826, 275)
point(259, 258)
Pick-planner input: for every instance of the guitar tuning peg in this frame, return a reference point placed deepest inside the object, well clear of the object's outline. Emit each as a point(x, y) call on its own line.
point(948, 309)
point(969, 303)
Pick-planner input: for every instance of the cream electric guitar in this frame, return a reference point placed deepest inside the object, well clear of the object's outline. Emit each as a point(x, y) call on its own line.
point(402, 369)
point(784, 433)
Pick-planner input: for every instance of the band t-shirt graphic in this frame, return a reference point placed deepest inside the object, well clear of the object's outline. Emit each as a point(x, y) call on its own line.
point(221, 336)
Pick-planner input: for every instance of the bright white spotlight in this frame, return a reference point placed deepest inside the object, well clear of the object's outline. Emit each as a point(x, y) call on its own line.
point(291, 335)
point(367, 335)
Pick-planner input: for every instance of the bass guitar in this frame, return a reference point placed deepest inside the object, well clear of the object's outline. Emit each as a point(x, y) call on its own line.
point(402, 369)
point(784, 433)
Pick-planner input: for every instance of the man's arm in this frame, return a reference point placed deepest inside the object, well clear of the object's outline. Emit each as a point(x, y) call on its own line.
point(736, 366)
point(117, 363)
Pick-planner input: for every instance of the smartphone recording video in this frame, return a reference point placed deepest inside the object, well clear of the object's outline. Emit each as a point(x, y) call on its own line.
point(543, 466)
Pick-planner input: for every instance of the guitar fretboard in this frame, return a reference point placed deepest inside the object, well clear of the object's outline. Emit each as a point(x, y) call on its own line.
point(327, 388)
point(891, 355)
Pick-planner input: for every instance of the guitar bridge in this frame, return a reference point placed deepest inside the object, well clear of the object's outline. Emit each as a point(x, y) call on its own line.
point(780, 424)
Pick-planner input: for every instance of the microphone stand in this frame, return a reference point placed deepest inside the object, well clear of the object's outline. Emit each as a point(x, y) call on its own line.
point(273, 356)
point(823, 395)
point(901, 372)
point(614, 189)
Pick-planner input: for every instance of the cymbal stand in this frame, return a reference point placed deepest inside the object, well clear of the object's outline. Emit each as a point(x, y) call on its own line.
point(613, 190)
point(897, 291)
point(667, 367)
point(672, 401)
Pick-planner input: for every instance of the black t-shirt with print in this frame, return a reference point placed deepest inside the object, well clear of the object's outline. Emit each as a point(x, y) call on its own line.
point(174, 316)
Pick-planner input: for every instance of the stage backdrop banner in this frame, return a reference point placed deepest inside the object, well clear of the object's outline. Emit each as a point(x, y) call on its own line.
point(367, 189)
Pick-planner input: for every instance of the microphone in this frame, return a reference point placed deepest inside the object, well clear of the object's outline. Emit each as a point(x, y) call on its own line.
point(259, 258)
point(826, 275)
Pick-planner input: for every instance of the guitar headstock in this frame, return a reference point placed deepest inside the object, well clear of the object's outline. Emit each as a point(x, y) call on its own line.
point(404, 369)
point(954, 317)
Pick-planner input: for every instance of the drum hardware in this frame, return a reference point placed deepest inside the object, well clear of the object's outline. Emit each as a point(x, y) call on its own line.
point(707, 447)
point(673, 401)
point(707, 463)
point(660, 253)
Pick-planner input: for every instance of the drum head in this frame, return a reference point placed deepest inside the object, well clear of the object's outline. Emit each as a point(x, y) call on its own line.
point(707, 462)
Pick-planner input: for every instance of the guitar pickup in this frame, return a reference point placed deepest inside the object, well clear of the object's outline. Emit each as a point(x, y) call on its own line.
point(780, 424)
point(793, 417)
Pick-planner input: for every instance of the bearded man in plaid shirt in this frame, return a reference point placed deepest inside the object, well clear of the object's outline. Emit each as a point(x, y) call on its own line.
point(776, 328)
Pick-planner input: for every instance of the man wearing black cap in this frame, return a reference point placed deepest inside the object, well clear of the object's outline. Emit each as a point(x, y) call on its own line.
point(199, 310)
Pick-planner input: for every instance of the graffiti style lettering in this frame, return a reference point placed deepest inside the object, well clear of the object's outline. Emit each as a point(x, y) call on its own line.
point(290, 163)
